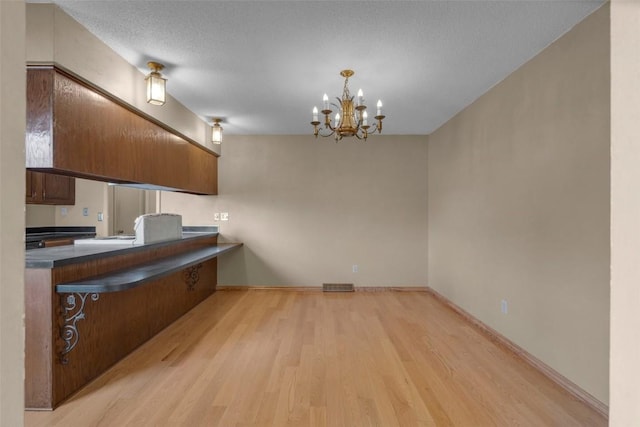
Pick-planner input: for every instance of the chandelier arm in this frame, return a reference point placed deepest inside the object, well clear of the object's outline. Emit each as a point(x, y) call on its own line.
point(328, 134)
point(328, 126)
point(373, 128)
point(378, 124)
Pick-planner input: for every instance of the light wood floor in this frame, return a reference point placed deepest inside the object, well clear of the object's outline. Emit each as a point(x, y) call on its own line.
point(285, 358)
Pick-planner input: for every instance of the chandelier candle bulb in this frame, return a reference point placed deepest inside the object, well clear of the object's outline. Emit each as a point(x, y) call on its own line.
point(360, 97)
point(315, 114)
point(337, 119)
point(379, 105)
point(325, 101)
point(364, 118)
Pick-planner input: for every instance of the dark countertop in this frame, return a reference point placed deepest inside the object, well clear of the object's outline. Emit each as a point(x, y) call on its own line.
point(72, 254)
point(140, 274)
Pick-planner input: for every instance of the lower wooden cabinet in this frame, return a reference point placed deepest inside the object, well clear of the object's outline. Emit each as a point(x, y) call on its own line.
point(71, 338)
point(50, 189)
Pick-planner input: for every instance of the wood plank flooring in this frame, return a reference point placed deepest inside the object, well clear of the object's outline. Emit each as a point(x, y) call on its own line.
point(286, 358)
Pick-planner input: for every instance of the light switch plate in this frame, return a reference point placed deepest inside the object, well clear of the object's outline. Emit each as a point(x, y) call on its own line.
point(216, 216)
point(224, 216)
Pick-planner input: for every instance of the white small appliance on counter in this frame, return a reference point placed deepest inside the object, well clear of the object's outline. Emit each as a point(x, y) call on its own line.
point(157, 227)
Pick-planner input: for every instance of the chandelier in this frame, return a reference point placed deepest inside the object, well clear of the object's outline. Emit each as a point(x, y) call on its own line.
point(351, 119)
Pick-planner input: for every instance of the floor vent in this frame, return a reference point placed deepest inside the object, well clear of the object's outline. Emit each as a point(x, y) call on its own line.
point(337, 287)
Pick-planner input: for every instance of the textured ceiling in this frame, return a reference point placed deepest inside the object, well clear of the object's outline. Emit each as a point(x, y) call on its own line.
point(263, 65)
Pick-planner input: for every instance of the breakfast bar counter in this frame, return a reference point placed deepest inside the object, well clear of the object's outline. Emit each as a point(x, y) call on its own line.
point(89, 305)
point(78, 253)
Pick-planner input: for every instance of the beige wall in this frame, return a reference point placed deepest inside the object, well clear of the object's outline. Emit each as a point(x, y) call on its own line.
point(92, 195)
point(307, 210)
point(40, 216)
point(519, 206)
point(12, 184)
point(625, 213)
point(520, 214)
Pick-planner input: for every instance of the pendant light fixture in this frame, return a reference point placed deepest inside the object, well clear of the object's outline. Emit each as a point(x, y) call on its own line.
point(156, 84)
point(216, 131)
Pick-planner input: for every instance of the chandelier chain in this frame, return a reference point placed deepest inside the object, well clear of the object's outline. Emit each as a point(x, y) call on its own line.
point(345, 90)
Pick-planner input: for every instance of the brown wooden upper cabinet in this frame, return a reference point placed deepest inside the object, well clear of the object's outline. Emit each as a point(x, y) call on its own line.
point(50, 189)
point(76, 129)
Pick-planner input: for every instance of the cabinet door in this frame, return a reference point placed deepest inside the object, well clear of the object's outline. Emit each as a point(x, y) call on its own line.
point(50, 189)
point(31, 193)
point(58, 189)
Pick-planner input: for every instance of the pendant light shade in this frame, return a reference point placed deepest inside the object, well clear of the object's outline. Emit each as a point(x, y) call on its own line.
point(216, 132)
point(156, 84)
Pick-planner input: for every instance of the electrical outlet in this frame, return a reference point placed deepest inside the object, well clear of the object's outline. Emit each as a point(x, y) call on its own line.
point(216, 216)
point(354, 268)
point(85, 211)
point(224, 216)
point(504, 306)
point(63, 211)
point(100, 216)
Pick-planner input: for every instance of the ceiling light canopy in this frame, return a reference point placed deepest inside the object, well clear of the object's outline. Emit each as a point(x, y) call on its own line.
point(351, 119)
point(156, 84)
point(216, 131)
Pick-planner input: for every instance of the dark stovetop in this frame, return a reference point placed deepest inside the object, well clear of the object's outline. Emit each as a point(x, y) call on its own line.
point(40, 233)
point(35, 235)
